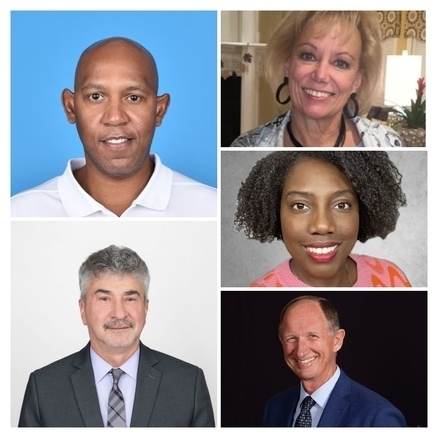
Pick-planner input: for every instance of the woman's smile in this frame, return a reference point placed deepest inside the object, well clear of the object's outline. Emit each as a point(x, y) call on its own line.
point(319, 215)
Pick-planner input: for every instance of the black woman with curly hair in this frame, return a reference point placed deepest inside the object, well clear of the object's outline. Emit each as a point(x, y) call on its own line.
point(319, 204)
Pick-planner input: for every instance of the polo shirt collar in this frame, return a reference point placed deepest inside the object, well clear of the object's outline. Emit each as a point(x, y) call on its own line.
point(77, 202)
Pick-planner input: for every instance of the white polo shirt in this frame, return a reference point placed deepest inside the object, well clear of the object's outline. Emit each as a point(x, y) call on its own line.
point(167, 194)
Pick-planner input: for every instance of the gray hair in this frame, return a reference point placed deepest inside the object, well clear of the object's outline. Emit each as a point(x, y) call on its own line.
point(113, 260)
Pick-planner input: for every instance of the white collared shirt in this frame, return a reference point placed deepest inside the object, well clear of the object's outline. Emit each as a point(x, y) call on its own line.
point(321, 396)
point(104, 383)
point(167, 194)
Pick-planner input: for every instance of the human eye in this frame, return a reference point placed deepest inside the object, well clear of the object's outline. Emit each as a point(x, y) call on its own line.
point(340, 63)
point(299, 206)
point(134, 98)
point(307, 56)
point(343, 206)
point(95, 97)
point(132, 297)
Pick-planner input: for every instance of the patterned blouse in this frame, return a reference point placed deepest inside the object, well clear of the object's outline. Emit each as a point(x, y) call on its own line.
point(373, 134)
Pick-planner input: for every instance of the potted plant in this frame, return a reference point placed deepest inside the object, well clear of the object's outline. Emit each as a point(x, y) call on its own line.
point(412, 121)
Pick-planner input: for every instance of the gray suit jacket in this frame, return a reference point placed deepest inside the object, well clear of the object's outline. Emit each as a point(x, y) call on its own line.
point(169, 393)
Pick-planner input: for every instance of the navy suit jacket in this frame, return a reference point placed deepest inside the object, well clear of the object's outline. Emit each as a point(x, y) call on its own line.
point(349, 405)
point(169, 393)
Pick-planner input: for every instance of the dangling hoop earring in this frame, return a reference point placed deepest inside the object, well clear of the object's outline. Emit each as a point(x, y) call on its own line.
point(280, 87)
point(346, 110)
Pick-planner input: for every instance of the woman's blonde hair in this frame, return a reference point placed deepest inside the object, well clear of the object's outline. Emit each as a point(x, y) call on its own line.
point(282, 41)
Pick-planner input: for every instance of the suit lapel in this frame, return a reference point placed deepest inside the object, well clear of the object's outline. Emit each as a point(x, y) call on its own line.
point(148, 382)
point(84, 389)
point(291, 412)
point(337, 404)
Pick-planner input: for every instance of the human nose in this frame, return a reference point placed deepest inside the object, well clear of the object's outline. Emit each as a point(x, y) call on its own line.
point(301, 347)
point(118, 310)
point(321, 222)
point(321, 72)
point(114, 113)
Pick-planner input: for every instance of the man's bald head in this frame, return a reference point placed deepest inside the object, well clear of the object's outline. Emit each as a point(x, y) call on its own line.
point(113, 47)
point(116, 109)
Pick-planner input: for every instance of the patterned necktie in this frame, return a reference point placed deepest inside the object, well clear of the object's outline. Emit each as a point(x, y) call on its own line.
point(116, 404)
point(305, 419)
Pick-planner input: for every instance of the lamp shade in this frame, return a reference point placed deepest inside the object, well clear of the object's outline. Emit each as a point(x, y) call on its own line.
point(402, 73)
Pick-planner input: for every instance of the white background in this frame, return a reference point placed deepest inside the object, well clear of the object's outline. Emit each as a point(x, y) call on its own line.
point(45, 319)
point(404, 360)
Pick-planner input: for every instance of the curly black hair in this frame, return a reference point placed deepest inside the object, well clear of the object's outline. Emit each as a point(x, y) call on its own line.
point(375, 179)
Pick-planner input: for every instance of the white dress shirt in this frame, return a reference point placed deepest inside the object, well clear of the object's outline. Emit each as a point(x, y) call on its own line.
point(104, 383)
point(167, 194)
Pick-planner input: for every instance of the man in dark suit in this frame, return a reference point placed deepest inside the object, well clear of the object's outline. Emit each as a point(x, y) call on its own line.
point(116, 381)
point(311, 336)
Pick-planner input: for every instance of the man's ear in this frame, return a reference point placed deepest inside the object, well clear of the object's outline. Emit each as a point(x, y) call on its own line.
point(339, 339)
point(68, 103)
point(82, 310)
point(163, 103)
point(146, 308)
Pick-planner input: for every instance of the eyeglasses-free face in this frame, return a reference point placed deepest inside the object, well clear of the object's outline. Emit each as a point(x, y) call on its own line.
point(319, 215)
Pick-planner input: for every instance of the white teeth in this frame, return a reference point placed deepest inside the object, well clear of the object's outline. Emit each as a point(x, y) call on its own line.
point(322, 250)
point(307, 360)
point(317, 93)
point(116, 140)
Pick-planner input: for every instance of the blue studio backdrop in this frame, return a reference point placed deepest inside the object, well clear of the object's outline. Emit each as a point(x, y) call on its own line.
point(45, 48)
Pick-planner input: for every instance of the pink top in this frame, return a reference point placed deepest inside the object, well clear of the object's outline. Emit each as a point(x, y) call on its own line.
point(371, 272)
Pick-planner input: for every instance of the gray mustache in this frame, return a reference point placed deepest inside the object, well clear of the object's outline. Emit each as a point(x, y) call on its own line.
point(118, 323)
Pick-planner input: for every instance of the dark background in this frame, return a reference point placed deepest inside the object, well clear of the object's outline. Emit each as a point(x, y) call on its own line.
point(385, 349)
point(230, 109)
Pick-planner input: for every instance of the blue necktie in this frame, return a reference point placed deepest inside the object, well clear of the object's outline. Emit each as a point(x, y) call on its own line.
point(305, 418)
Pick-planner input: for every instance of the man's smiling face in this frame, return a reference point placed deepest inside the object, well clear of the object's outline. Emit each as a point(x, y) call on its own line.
point(114, 310)
point(309, 346)
point(115, 106)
